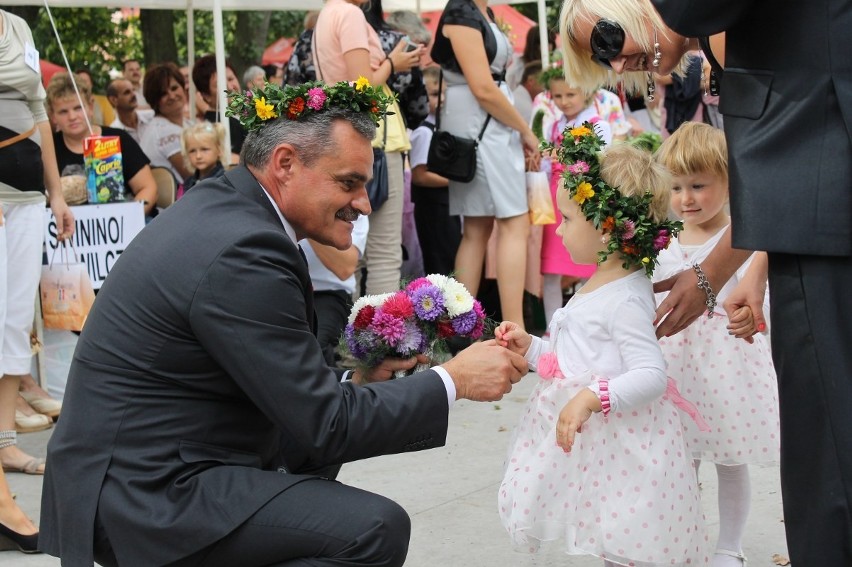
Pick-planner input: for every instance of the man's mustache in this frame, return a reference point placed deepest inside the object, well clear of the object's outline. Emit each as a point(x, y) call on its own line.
point(348, 214)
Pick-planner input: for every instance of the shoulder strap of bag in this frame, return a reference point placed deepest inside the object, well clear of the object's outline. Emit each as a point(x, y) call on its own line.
point(440, 96)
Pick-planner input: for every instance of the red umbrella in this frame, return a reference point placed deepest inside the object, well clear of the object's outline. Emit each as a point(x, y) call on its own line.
point(49, 69)
point(278, 52)
point(504, 14)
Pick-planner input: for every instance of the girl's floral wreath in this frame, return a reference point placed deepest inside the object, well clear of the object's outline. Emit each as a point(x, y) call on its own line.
point(634, 234)
point(554, 71)
point(255, 107)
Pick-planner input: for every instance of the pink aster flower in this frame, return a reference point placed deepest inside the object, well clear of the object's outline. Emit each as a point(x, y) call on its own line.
point(389, 328)
point(578, 167)
point(662, 239)
point(629, 230)
point(416, 284)
point(316, 98)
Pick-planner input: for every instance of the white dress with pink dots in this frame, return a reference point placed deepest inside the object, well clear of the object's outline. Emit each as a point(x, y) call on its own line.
point(732, 383)
point(627, 491)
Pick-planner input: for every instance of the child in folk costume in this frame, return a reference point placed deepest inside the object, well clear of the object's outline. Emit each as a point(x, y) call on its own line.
point(574, 108)
point(731, 382)
point(598, 462)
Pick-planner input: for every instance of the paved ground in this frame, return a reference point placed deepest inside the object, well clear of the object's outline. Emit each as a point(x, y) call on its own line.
point(450, 494)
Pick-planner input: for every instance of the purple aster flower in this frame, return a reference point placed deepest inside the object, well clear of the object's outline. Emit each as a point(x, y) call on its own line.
point(411, 341)
point(578, 167)
point(629, 230)
point(428, 302)
point(388, 328)
point(465, 323)
point(357, 349)
point(316, 98)
point(249, 94)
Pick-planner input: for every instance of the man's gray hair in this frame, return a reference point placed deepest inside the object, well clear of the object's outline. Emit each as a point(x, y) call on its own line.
point(251, 73)
point(311, 136)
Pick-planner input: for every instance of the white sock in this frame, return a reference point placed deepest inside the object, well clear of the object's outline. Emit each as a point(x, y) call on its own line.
point(551, 295)
point(734, 507)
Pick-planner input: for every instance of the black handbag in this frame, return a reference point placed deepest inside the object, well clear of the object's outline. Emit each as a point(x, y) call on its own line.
point(451, 156)
point(377, 187)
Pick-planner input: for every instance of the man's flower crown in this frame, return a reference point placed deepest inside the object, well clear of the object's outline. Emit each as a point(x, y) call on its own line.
point(634, 233)
point(255, 107)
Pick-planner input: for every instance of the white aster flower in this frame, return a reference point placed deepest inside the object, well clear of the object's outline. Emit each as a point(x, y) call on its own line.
point(457, 299)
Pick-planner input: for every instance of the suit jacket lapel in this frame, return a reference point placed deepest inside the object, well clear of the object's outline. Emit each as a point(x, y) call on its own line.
point(242, 180)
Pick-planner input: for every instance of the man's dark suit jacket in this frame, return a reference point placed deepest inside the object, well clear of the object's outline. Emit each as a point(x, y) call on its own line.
point(786, 95)
point(196, 359)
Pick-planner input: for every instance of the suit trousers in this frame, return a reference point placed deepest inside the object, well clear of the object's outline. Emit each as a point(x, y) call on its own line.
point(315, 523)
point(811, 337)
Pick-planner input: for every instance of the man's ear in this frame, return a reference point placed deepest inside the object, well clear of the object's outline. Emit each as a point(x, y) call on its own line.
point(284, 161)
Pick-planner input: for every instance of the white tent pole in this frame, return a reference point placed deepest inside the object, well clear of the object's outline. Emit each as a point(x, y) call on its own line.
point(542, 34)
point(219, 33)
point(190, 55)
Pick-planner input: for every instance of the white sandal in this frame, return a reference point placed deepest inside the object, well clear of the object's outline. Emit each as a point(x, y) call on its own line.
point(737, 554)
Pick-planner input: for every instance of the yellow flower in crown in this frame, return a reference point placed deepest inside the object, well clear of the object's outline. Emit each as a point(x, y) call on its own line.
point(264, 110)
point(361, 84)
point(579, 132)
point(584, 191)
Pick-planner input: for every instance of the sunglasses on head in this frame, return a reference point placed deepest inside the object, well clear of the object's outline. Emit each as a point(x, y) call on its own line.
point(606, 42)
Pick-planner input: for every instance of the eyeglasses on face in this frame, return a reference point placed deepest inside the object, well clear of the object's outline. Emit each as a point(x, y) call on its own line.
point(607, 41)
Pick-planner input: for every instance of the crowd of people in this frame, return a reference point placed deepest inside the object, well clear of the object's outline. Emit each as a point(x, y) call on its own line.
point(278, 238)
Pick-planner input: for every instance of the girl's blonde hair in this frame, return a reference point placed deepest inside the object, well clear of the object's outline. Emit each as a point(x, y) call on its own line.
point(695, 148)
point(213, 132)
point(632, 15)
point(635, 172)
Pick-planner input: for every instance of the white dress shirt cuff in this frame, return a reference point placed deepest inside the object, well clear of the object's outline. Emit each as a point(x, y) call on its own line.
point(448, 384)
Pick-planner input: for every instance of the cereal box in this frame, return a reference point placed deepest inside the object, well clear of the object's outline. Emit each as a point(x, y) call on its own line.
point(104, 175)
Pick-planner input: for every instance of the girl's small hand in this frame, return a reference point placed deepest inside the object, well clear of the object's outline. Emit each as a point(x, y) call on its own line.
point(741, 323)
point(573, 416)
point(510, 335)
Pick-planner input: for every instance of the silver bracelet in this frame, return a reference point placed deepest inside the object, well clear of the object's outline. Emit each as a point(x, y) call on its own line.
point(704, 286)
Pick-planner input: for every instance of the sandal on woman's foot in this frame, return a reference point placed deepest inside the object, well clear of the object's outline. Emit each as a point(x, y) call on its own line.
point(44, 406)
point(30, 423)
point(735, 554)
point(32, 465)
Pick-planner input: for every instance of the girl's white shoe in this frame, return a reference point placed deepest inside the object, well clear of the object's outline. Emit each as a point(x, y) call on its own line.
point(725, 561)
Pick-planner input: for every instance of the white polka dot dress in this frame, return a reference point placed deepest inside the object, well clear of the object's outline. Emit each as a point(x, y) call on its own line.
point(731, 383)
point(627, 492)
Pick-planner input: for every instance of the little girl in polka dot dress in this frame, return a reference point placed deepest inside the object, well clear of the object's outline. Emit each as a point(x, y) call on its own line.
point(731, 382)
point(597, 464)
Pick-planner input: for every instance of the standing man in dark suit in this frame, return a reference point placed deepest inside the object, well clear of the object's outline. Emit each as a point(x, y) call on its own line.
point(786, 95)
point(198, 392)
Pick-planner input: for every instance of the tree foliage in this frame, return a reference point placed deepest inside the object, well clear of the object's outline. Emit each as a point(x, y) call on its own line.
point(95, 38)
point(100, 39)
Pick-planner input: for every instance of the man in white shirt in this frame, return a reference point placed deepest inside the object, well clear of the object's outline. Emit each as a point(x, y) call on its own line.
point(133, 73)
point(128, 117)
point(333, 277)
point(527, 89)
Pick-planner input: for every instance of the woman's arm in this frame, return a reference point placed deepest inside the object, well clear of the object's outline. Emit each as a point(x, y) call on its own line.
point(685, 302)
point(398, 60)
point(144, 188)
point(421, 175)
point(64, 216)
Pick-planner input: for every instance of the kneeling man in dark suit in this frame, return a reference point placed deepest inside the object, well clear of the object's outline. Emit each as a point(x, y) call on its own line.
point(198, 396)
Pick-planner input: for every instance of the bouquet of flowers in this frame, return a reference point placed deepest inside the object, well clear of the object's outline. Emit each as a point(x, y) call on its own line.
point(417, 319)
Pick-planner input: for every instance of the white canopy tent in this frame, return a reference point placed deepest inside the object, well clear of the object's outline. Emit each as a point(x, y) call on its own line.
point(217, 6)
